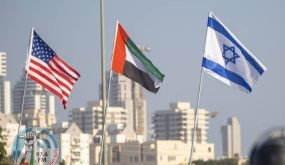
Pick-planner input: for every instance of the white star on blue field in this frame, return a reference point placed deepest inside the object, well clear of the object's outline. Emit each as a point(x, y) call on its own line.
point(229, 54)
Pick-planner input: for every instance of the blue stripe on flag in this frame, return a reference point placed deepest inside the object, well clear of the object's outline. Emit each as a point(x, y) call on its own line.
point(221, 71)
point(215, 25)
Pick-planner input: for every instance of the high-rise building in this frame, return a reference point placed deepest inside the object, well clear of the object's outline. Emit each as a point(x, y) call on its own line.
point(89, 119)
point(39, 104)
point(5, 86)
point(178, 123)
point(3, 64)
point(231, 138)
point(129, 95)
point(73, 144)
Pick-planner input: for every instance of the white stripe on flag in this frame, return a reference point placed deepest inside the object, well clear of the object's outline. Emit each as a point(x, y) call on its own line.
point(58, 61)
point(136, 62)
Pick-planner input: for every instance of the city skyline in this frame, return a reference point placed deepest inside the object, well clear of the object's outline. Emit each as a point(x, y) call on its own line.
point(231, 138)
point(175, 31)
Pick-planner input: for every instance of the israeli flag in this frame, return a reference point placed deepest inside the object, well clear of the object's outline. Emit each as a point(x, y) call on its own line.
point(227, 59)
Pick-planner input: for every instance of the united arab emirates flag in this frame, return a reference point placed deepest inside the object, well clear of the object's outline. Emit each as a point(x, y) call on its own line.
point(128, 60)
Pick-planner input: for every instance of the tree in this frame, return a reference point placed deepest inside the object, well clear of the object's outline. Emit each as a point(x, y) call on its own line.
point(7, 161)
point(217, 162)
point(3, 159)
point(2, 146)
point(62, 162)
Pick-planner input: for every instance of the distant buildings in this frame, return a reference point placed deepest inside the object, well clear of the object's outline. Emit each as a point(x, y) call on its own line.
point(177, 123)
point(160, 152)
point(126, 125)
point(130, 95)
point(173, 131)
point(9, 130)
point(171, 147)
point(231, 139)
point(73, 145)
point(5, 86)
point(89, 119)
point(39, 104)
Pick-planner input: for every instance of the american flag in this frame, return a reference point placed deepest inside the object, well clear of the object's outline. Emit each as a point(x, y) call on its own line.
point(46, 68)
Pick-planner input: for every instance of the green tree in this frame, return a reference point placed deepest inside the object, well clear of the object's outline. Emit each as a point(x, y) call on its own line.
point(7, 161)
point(62, 162)
point(2, 147)
point(3, 159)
point(217, 162)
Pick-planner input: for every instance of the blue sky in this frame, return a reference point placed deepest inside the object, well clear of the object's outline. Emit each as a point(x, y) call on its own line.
point(175, 31)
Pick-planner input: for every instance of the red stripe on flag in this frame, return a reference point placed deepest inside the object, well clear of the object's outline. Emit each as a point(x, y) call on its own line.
point(60, 74)
point(60, 95)
point(44, 67)
point(54, 81)
point(123, 33)
point(64, 85)
point(119, 54)
point(68, 66)
point(57, 61)
point(40, 74)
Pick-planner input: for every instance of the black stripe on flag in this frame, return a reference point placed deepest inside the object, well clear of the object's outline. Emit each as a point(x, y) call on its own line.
point(139, 76)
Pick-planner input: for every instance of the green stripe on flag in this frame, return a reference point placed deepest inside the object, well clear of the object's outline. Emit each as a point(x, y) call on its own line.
point(146, 62)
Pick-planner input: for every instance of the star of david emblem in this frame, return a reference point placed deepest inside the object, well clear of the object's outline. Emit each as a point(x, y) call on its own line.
point(229, 54)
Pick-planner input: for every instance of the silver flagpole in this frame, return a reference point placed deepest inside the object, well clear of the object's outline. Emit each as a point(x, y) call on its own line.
point(103, 79)
point(104, 143)
point(196, 111)
point(105, 111)
point(196, 117)
point(24, 93)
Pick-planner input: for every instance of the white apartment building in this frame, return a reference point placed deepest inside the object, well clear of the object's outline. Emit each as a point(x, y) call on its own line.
point(231, 138)
point(3, 64)
point(90, 119)
point(130, 95)
point(177, 123)
point(9, 130)
point(73, 145)
point(5, 86)
point(5, 89)
point(37, 118)
point(161, 152)
point(39, 104)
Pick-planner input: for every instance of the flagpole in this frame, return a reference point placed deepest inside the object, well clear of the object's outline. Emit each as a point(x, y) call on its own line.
point(104, 143)
point(103, 77)
point(196, 111)
point(24, 93)
point(196, 116)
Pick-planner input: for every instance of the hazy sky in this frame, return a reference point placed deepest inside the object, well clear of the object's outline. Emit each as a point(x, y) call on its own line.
point(175, 32)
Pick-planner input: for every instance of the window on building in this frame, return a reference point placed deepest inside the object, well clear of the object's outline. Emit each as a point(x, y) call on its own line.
point(209, 149)
point(150, 158)
point(171, 158)
point(136, 158)
point(116, 154)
